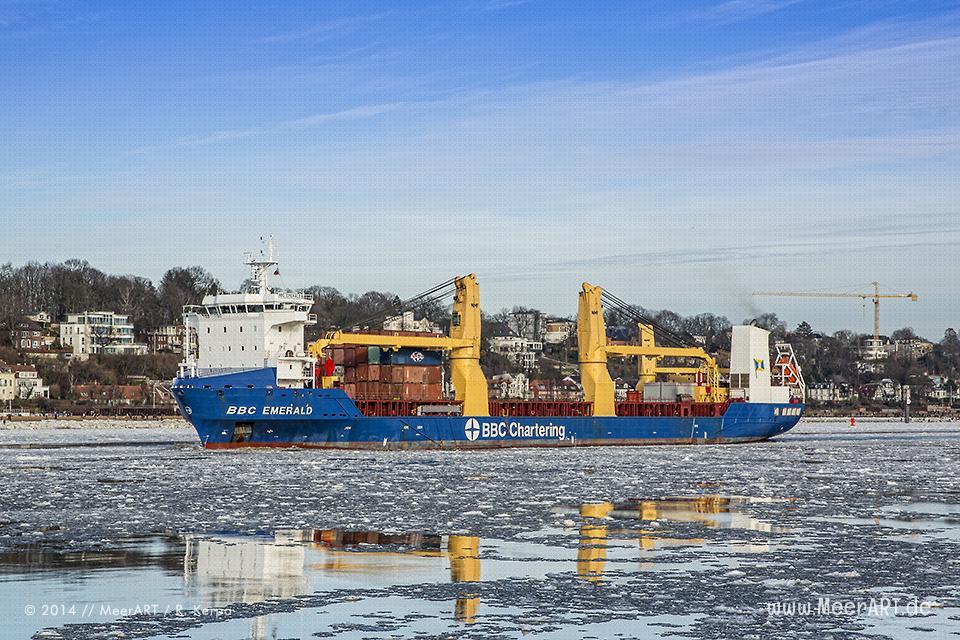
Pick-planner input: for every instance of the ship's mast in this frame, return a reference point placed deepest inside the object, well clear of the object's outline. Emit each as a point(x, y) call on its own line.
point(260, 265)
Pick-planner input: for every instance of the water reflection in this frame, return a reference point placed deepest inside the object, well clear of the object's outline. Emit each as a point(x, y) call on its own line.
point(224, 570)
point(164, 551)
point(217, 571)
point(723, 512)
point(228, 569)
point(595, 535)
point(592, 547)
point(464, 554)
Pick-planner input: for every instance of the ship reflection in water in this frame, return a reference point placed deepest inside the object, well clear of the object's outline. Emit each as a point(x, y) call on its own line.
point(710, 511)
point(239, 569)
point(228, 569)
point(217, 571)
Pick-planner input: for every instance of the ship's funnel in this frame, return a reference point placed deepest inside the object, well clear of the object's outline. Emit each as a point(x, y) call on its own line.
point(750, 363)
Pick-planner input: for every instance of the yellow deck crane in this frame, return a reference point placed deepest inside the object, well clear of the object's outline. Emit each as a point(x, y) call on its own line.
point(876, 296)
point(463, 343)
point(594, 349)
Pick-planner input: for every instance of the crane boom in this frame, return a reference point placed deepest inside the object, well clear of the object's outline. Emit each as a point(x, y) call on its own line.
point(463, 343)
point(810, 294)
point(876, 296)
point(593, 349)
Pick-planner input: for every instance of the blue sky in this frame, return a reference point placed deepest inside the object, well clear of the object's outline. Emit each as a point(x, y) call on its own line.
point(680, 154)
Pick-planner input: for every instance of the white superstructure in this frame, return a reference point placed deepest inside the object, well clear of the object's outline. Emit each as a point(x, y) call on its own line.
point(750, 367)
point(252, 330)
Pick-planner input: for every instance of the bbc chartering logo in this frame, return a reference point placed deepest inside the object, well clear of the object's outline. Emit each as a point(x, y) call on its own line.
point(472, 429)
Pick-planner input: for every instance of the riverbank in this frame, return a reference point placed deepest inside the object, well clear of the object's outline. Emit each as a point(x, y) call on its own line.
point(40, 417)
point(91, 422)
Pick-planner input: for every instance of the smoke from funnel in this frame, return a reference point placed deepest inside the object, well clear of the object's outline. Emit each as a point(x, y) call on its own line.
point(723, 278)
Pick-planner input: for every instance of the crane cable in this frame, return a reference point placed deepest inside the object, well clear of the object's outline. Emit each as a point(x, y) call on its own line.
point(437, 292)
point(684, 339)
point(661, 330)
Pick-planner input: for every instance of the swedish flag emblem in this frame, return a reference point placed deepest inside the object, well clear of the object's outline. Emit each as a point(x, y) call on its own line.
point(758, 365)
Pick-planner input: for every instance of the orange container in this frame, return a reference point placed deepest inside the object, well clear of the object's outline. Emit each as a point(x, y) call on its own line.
point(432, 375)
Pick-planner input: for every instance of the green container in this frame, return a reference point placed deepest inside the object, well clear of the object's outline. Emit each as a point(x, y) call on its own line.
point(373, 355)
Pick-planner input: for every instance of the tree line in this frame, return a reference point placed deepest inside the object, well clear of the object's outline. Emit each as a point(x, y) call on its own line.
point(75, 285)
point(59, 288)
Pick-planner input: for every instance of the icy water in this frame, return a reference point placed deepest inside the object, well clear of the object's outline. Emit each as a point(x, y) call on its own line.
point(826, 532)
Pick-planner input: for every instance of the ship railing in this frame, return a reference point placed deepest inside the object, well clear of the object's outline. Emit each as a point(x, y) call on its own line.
point(536, 408)
point(187, 370)
point(672, 409)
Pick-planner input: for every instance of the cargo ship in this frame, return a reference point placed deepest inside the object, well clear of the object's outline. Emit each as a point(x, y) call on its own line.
point(252, 381)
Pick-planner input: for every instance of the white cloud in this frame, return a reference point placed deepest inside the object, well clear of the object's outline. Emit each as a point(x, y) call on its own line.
point(322, 30)
point(737, 10)
point(229, 135)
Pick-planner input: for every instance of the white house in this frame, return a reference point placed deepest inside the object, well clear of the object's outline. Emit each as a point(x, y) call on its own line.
point(520, 351)
point(510, 385)
point(8, 383)
point(557, 331)
point(29, 385)
point(828, 392)
point(407, 322)
point(96, 332)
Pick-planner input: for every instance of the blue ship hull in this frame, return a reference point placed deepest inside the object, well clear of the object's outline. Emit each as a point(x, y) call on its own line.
point(246, 410)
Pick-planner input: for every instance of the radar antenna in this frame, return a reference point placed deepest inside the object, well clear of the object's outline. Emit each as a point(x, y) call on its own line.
point(260, 265)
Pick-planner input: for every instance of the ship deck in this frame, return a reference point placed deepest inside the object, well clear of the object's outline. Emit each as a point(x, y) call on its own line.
point(543, 408)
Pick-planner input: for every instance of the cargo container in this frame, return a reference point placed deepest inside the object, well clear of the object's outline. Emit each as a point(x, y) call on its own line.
point(415, 357)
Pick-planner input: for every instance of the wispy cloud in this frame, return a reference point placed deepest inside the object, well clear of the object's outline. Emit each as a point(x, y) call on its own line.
point(767, 252)
point(738, 10)
point(317, 119)
point(323, 30)
point(495, 5)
